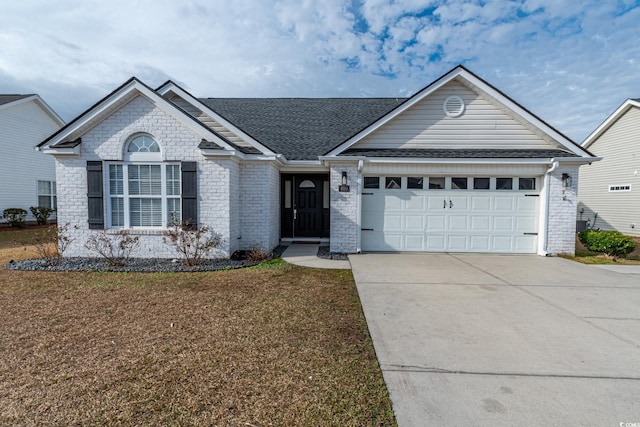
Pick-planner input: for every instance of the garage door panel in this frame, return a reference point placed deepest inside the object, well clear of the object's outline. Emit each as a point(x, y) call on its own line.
point(393, 202)
point(436, 223)
point(415, 203)
point(502, 243)
point(450, 220)
point(503, 224)
point(480, 223)
point(414, 223)
point(435, 243)
point(414, 242)
point(458, 243)
point(479, 243)
point(526, 224)
point(525, 244)
point(458, 223)
point(504, 204)
point(528, 204)
point(436, 203)
point(392, 222)
point(480, 203)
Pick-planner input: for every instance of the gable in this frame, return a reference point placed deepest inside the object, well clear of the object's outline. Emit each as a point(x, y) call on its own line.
point(106, 139)
point(482, 125)
point(621, 139)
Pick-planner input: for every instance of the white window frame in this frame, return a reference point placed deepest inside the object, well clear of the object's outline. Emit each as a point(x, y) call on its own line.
point(127, 197)
point(52, 195)
point(619, 188)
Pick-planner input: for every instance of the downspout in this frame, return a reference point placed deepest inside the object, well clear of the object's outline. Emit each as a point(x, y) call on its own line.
point(359, 208)
point(545, 216)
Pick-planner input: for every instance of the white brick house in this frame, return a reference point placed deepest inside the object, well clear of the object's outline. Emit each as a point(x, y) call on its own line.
point(457, 167)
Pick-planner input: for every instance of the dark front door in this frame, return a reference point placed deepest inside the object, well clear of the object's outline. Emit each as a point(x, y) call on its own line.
point(305, 213)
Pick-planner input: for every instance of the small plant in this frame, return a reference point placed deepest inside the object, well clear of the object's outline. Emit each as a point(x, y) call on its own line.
point(41, 214)
point(612, 243)
point(16, 217)
point(115, 248)
point(51, 242)
point(258, 254)
point(192, 244)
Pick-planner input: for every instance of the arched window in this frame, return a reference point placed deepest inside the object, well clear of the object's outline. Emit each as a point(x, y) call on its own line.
point(143, 144)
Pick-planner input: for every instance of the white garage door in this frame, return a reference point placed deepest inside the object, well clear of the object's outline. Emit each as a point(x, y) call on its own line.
point(450, 214)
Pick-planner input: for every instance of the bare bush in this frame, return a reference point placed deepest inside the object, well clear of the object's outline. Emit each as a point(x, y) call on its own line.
point(116, 248)
point(192, 244)
point(258, 254)
point(51, 242)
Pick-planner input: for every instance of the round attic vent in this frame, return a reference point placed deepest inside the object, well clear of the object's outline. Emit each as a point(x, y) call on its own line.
point(453, 106)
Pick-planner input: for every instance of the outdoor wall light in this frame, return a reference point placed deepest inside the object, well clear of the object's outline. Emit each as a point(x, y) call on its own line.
point(343, 188)
point(566, 180)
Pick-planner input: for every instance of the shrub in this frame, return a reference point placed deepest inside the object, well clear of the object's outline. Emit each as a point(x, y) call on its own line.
point(612, 243)
point(41, 214)
point(192, 244)
point(258, 254)
point(16, 217)
point(51, 242)
point(115, 248)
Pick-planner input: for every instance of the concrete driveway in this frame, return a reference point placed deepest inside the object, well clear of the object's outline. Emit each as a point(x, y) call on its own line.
point(470, 339)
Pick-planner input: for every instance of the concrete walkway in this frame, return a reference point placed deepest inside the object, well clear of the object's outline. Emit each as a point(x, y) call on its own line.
point(306, 255)
point(492, 340)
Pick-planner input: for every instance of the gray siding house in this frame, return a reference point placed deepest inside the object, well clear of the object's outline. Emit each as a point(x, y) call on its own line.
point(27, 177)
point(609, 191)
point(457, 167)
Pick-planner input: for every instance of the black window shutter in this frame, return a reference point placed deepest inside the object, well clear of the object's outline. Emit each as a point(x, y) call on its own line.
point(95, 197)
point(190, 193)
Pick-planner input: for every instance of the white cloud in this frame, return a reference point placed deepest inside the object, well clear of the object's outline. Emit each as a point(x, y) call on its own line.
point(569, 64)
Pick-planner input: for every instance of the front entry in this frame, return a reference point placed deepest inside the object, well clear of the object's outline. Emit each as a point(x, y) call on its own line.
point(305, 206)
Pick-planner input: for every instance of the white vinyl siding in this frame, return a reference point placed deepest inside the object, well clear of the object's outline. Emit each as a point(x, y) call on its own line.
point(482, 125)
point(619, 146)
point(23, 126)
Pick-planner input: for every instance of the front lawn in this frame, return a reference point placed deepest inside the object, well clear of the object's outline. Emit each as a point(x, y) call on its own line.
point(271, 345)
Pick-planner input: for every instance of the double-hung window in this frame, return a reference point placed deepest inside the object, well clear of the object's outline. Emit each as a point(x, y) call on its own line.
point(47, 194)
point(143, 194)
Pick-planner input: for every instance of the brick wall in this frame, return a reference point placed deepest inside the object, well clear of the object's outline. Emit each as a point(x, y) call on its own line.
point(344, 209)
point(562, 212)
point(260, 205)
point(219, 188)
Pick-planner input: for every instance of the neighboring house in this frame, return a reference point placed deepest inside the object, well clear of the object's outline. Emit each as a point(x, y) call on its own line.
point(609, 192)
point(457, 167)
point(27, 177)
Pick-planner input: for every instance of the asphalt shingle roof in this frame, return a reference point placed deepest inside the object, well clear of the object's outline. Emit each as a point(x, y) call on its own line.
point(5, 99)
point(458, 153)
point(301, 128)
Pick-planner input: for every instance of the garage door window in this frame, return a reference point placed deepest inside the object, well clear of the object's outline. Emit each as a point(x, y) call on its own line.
point(504, 183)
point(459, 183)
point(393, 183)
point(481, 183)
point(371, 182)
point(415, 182)
point(527, 183)
point(436, 183)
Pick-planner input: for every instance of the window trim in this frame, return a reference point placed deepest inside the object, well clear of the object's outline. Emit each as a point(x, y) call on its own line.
point(126, 196)
point(52, 195)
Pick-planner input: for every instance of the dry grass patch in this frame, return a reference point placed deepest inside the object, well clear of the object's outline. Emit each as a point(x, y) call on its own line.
point(280, 345)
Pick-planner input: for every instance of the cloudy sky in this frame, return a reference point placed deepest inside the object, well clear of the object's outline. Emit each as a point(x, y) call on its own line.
point(571, 62)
